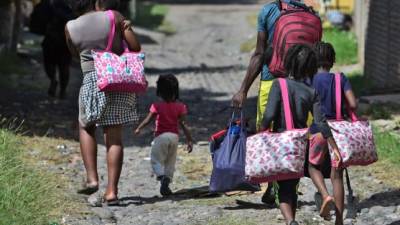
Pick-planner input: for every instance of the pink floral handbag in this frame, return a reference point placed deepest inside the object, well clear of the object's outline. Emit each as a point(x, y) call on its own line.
point(354, 138)
point(277, 156)
point(119, 73)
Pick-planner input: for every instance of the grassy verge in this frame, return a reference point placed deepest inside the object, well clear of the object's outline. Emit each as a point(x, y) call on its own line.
point(28, 194)
point(345, 44)
point(152, 16)
point(388, 167)
point(388, 147)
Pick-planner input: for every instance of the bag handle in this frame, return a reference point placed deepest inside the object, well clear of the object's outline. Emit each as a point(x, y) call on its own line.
point(286, 105)
point(338, 92)
point(241, 120)
point(125, 45)
point(111, 35)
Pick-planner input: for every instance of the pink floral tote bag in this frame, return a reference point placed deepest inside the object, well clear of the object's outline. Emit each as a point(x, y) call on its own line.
point(354, 138)
point(119, 73)
point(277, 156)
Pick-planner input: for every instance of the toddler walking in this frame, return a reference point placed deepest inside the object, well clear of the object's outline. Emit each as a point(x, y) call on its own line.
point(168, 114)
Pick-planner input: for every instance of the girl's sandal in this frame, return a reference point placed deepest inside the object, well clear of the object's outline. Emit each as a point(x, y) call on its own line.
point(111, 202)
point(327, 204)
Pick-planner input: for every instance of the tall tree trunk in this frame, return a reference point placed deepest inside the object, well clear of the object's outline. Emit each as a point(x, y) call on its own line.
point(6, 23)
point(16, 26)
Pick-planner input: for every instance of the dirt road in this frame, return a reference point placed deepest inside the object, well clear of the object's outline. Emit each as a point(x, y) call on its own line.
point(205, 56)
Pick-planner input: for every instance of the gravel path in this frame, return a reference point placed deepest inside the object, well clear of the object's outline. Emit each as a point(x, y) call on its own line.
point(205, 56)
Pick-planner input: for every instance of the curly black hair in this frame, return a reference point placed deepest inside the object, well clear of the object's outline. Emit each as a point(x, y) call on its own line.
point(109, 4)
point(301, 62)
point(168, 87)
point(82, 6)
point(326, 55)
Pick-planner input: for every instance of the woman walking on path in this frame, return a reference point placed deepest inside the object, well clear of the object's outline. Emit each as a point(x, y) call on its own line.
point(90, 31)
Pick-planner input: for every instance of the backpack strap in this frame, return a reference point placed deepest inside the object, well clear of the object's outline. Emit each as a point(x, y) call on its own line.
point(286, 104)
point(111, 35)
point(294, 3)
point(279, 4)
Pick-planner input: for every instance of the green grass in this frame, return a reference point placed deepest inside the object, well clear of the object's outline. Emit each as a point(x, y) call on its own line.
point(358, 83)
point(345, 44)
point(388, 147)
point(387, 168)
point(27, 194)
point(152, 16)
point(379, 111)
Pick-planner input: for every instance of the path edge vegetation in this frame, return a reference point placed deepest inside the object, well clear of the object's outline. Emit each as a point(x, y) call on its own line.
point(29, 192)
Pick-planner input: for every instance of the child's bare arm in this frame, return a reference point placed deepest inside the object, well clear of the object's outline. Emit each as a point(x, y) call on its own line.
point(351, 99)
point(145, 122)
point(338, 157)
point(186, 131)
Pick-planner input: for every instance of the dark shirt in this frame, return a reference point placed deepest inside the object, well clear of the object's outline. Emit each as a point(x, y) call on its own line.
point(302, 99)
point(60, 13)
point(324, 84)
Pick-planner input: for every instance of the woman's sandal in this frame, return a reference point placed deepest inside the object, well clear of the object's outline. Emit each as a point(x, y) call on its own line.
point(327, 204)
point(88, 189)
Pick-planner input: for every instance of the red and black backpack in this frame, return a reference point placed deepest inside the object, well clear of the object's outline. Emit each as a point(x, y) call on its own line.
point(297, 24)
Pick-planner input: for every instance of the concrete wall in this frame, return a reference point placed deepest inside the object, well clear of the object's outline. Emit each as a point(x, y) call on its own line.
point(361, 11)
point(382, 46)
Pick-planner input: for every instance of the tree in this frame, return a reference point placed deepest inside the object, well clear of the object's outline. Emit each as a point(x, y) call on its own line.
point(10, 23)
point(6, 25)
point(128, 7)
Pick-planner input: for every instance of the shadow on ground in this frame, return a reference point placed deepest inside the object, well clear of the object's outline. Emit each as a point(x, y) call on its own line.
point(181, 195)
point(384, 199)
point(27, 101)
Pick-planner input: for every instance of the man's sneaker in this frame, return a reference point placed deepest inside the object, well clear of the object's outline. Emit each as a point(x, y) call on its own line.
point(294, 223)
point(164, 189)
point(268, 197)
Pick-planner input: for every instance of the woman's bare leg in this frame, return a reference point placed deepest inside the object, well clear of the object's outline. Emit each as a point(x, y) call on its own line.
point(115, 155)
point(88, 145)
